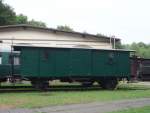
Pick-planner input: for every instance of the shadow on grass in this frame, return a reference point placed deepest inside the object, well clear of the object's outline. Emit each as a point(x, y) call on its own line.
point(23, 89)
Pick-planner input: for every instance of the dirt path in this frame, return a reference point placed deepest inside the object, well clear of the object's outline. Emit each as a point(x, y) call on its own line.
point(86, 108)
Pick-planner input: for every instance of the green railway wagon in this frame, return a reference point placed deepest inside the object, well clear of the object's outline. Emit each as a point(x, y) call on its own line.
point(6, 68)
point(42, 64)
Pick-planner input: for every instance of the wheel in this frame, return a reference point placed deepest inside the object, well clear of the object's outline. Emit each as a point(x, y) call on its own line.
point(102, 84)
point(42, 85)
point(87, 84)
point(33, 84)
point(3, 79)
point(109, 84)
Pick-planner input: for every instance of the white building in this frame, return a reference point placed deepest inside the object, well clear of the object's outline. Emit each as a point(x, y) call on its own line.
point(38, 36)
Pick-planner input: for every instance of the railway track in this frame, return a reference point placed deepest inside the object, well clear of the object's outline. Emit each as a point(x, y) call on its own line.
point(50, 88)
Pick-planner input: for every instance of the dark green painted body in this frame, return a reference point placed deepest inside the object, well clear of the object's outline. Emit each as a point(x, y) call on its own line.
point(70, 62)
point(6, 67)
point(5, 57)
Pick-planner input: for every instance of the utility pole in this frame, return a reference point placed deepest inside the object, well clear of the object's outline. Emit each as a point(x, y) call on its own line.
point(114, 42)
point(12, 61)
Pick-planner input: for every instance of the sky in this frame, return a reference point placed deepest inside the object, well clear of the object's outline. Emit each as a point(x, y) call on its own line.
point(128, 20)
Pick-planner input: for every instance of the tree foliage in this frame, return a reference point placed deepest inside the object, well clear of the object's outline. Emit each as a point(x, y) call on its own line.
point(99, 34)
point(21, 19)
point(142, 49)
point(64, 28)
point(36, 23)
point(9, 17)
point(119, 45)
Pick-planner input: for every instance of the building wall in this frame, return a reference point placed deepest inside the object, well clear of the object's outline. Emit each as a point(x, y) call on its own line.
point(52, 39)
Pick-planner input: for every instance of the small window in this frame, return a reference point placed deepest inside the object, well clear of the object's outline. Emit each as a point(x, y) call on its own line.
point(110, 58)
point(45, 55)
point(111, 55)
point(0, 60)
point(16, 61)
point(10, 59)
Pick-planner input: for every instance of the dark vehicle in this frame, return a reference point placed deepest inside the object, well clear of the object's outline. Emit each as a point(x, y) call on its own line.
point(144, 72)
point(140, 69)
point(42, 64)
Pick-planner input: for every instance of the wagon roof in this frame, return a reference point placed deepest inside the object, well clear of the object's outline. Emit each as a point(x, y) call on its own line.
point(18, 47)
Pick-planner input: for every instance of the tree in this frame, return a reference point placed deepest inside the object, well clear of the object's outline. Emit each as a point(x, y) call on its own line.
point(142, 49)
point(7, 15)
point(21, 19)
point(99, 34)
point(119, 45)
point(64, 28)
point(36, 23)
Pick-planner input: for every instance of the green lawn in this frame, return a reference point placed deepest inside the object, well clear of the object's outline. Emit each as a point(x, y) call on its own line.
point(31, 99)
point(145, 109)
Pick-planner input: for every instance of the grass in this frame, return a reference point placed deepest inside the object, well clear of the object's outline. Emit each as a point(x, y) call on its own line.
point(31, 99)
point(145, 109)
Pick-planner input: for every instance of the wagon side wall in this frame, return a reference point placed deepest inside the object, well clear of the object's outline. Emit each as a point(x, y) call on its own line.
point(69, 62)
